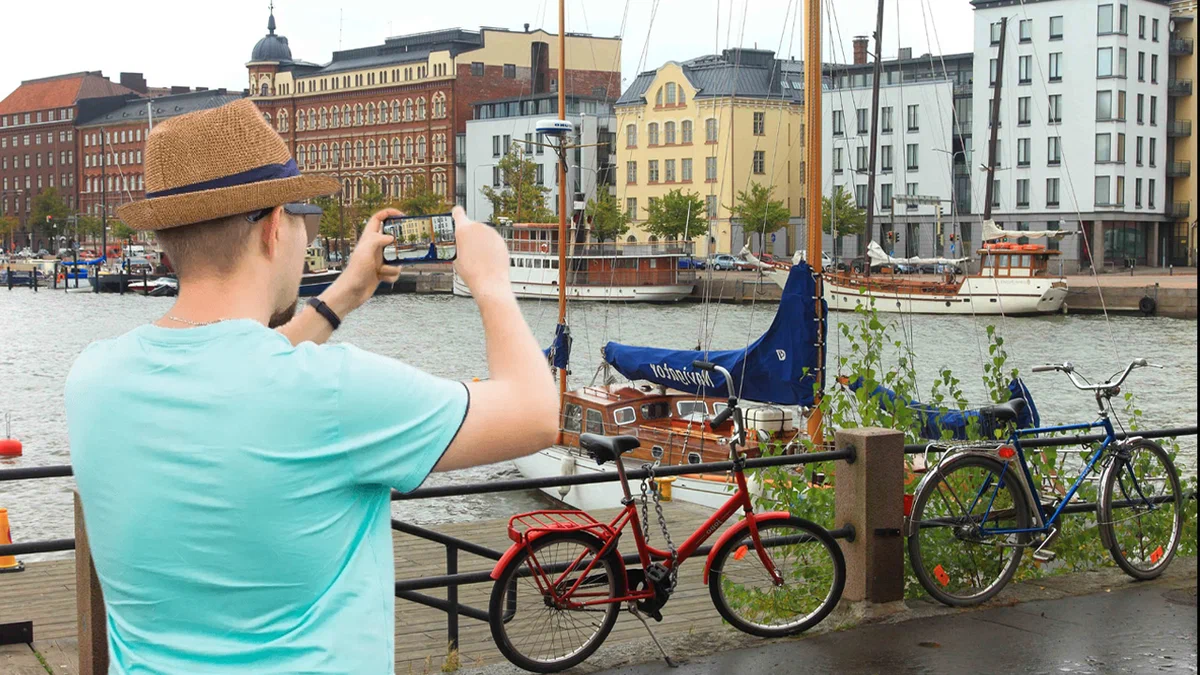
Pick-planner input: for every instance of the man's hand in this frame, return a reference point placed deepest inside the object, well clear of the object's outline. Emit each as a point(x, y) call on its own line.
point(365, 268)
point(482, 259)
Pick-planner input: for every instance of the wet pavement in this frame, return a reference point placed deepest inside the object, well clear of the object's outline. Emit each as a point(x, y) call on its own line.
point(1142, 628)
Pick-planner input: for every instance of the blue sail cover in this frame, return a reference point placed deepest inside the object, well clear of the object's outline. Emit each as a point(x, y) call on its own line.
point(559, 351)
point(780, 367)
point(935, 421)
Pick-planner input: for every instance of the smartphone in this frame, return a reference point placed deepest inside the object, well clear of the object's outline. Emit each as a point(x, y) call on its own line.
point(420, 239)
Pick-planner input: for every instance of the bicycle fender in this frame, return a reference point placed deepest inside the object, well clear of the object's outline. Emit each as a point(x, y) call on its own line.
point(1102, 500)
point(737, 528)
point(516, 548)
point(949, 462)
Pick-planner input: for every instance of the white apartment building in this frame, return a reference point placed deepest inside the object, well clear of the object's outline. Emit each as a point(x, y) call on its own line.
point(1083, 123)
point(924, 145)
point(497, 125)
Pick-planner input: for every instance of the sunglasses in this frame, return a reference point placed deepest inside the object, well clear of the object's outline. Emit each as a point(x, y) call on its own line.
point(309, 212)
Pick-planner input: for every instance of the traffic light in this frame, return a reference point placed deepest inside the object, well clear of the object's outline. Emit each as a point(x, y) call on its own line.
point(951, 236)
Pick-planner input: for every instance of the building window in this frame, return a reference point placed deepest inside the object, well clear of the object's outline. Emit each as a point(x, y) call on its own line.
point(631, 173)
point(1104, 20)
point(1022, 192)
point(510, 71)
point(1055, 106)
point(1104, 62)
point(1026, 30)
point(860, 196)
point(686, 131)
point(912, 157)
point(1121, 147)
point(912, 118)
point(1051, 192)
point(910, 189)
point(631, 135)
point(1141, 67)
point(686, 169)
point(885, 196)
point(652, 133)
point(477, 69)
point(1024, 68)
point(1153, 37)
point(710, 130)
point(670, 93)
point(885, 158)
point(670, 169)
point(1154, 68)
point(760, 123)
point(1023, 151)
point(652, 167)
point(669, 133)
point(1153, 151)
point(885, 120)
point(631, 208)
point(995, 33)
point(1023, 110)
point(838, 123)
point(1102, 187)
point(1153, 110)
point(1137, 193)
point(1138, 156)
point(710, 206)
point(1150, 182)
point(1056, 28)
point(710, 169)
point(760, 161)
point(863, 120)
point(1053, 151)
point(1103, 105)
point(837, 160)
point(1141, 101)
point(862, 159)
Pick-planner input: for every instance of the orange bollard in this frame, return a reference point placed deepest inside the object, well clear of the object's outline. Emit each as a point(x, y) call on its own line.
point(8, 563)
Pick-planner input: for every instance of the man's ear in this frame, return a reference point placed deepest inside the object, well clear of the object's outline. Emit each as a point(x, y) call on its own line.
point(271, 229)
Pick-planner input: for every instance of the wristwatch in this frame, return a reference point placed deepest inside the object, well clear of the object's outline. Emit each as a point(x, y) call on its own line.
point(324, 310)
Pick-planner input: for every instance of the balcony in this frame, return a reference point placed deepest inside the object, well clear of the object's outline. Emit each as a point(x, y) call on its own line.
point(1179, 87)
point(460, 159)
point(1179, 210)
point(1179, 169)
point(1181, 46)
point(1179, 129)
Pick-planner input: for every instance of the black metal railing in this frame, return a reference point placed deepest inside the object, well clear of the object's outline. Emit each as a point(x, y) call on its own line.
point(1179, 210)
point(1179, 87)
point(1180, 46)
point(1179, 128)
point(1179, 169)
point(411, 589)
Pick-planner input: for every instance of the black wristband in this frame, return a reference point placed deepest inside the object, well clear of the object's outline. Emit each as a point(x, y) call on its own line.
point(323, 309)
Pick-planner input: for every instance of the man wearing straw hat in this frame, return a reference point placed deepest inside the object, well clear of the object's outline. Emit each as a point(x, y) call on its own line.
point(236, 479)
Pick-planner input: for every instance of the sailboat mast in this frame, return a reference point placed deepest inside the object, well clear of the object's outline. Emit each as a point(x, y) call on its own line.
point(562, 188)
point(995, 125)
point(812, 149)
point(875, 72)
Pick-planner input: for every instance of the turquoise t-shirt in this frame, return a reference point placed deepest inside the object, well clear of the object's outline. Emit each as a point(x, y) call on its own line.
point(236, 495)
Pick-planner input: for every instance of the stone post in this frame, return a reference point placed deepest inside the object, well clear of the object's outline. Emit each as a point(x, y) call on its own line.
point(1097, 245)
point(89, 600)
point(870, 497)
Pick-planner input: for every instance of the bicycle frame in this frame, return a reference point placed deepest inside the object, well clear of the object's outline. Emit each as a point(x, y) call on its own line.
point(740, 500)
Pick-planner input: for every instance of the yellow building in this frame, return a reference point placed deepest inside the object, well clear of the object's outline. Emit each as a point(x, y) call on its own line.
point(713, 126)
point(1183, 204)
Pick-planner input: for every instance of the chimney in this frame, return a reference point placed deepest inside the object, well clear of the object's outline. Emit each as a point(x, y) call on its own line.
point(134, 81)
point(201, 89)
point(905, 53)
point(175, 89)
point(860, 49)
point(526, 28)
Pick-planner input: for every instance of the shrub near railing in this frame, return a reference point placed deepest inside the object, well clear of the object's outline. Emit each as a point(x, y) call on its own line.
point(868, 349)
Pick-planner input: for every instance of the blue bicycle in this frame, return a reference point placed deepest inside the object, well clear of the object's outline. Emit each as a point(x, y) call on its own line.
point(977, 510)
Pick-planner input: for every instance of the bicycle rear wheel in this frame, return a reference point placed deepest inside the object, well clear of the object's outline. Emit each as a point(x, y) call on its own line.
point(1141, 509)
point(805, 557)
point(540, 634)
point(953, 554)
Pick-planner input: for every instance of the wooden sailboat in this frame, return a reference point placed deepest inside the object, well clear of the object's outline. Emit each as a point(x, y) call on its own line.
point(667, 404)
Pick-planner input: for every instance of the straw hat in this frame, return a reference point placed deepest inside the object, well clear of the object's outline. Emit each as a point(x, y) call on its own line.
point(216, 163)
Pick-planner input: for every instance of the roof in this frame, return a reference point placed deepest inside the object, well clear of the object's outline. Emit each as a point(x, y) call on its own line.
point(549, 95)
point(59, 91)
point(163, 107)
point(749, 73)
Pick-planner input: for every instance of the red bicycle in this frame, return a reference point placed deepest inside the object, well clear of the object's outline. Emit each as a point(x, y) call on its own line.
point(561, 584)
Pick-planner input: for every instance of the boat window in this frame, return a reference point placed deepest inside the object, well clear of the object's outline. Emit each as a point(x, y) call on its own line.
point(512, 262)
point(693, 458)
point(1002, 260)
point(625, 415)
point(656, 410)
point(656, 452)
point(1025, 260)
point(594, 423)
point(554, 263)
point(571, 417)
point(688, 407)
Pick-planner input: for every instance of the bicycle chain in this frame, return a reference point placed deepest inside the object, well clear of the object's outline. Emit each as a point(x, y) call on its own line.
point(662, 522)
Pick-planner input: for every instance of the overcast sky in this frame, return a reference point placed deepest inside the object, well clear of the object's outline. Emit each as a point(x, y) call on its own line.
point(208, 43)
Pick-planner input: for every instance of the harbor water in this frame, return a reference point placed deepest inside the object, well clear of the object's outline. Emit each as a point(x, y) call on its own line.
point(40, 335)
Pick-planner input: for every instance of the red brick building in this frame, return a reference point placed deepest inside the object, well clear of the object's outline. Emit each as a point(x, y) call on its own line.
point(397, 112)
point(37, 139)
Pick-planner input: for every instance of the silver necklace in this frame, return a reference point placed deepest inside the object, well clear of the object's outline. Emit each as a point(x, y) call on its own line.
point(195, 323)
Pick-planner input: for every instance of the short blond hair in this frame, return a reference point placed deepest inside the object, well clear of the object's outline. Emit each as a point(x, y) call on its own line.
point(214, 247)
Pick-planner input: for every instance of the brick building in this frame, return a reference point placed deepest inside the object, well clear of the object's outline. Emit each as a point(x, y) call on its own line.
point(37, 139)
point(110, 140)
point(397, 111)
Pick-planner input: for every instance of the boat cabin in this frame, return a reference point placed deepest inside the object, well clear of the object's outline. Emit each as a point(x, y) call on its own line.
point(534, 246)
point(1003, 259)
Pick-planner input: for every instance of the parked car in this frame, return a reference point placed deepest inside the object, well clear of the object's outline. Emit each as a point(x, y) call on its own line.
point(691, 264)
point(139, 265)
point(723, 261)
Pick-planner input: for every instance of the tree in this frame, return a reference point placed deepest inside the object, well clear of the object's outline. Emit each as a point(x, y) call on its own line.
point(8, 225)
point(370, 199)
point(758, 212)
point(120, 231)
point(89, 228)
point(842, 212)
point(420, 200)
point(48, 207)
point(522, 199)
point(677, 215)
point(331, 223)
point(609, 220)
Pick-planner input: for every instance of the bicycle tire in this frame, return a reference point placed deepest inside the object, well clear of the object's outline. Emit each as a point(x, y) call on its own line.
point(731, 614)
point(931, 579)
point(498, 605)
point(1106, 519)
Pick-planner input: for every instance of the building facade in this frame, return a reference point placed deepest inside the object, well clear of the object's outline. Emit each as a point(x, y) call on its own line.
point(393, 113)
point(712, 126)
point(37, 140)
point(1082, 138)
point(509, 125)
point(1181, 114)
point(924, 148)
point(111, 140)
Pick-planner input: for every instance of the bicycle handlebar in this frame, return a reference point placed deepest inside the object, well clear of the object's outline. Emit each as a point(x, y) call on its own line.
point(1069, 369)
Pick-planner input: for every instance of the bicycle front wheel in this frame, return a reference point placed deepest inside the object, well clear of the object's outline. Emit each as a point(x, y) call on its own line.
point(546, 632)
point(1141, 509)
point(958, 548)
point(807, 560)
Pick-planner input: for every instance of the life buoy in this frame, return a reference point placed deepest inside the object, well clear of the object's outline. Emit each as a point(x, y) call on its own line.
point(1147, 305)
point(1029, 247)
point(545, 248)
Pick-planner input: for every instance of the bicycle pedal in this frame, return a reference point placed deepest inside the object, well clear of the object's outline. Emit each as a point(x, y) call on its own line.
point(1043, 553)
point(1044, 556)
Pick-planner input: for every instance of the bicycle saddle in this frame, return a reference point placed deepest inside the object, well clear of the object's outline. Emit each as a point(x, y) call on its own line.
point(1005, 412)
point(607, 448)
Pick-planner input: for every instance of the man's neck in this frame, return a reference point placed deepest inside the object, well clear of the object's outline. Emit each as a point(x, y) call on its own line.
point(208, 299)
